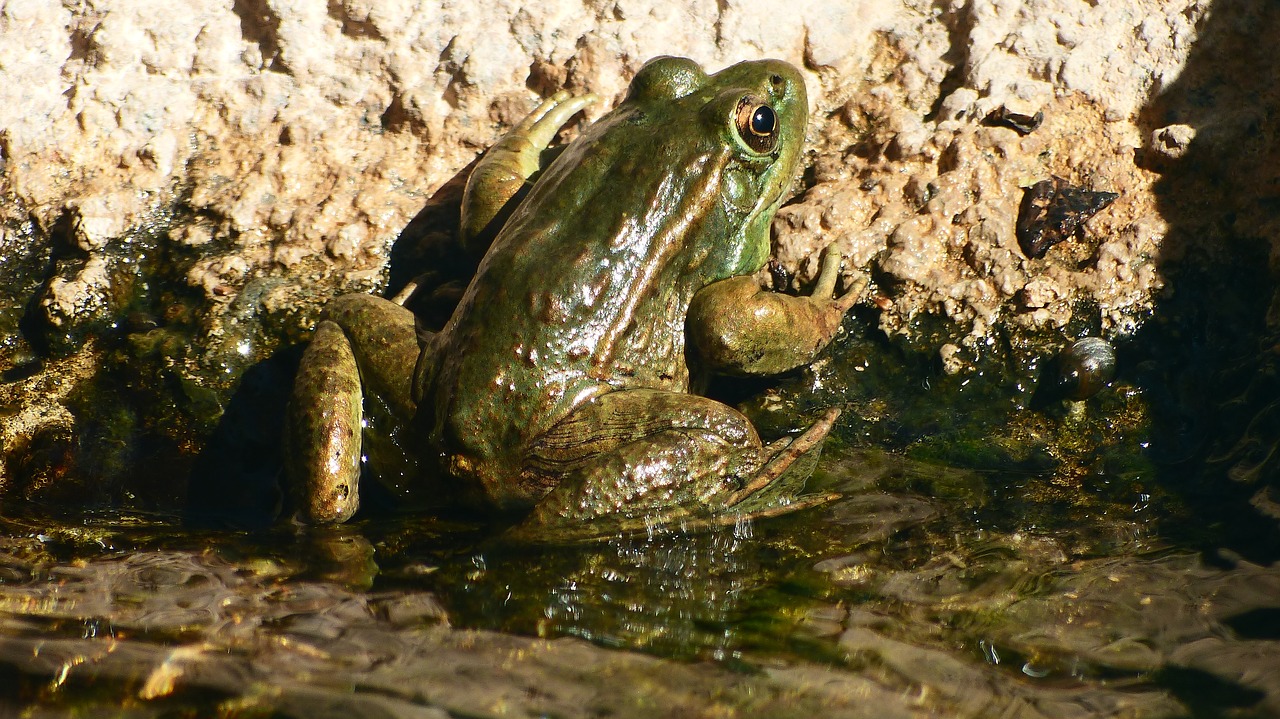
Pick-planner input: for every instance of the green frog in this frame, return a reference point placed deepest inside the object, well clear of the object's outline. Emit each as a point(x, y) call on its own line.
point(563, 386)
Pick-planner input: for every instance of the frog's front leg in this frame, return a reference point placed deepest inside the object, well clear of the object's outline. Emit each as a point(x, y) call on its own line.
point(737, 327)
point(356, 373)
point(510, 163)
point(634, 459)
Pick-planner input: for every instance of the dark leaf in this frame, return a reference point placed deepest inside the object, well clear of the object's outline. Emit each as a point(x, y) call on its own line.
point(1053, 211)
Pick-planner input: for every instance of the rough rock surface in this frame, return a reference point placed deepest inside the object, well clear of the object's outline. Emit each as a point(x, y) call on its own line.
point(299, 143)
point(197, 183)
point(918, 186)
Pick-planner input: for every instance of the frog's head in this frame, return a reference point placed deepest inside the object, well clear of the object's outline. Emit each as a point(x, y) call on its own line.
point(754, 114)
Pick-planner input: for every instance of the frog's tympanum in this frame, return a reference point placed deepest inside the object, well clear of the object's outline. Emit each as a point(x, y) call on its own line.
point(561, 387)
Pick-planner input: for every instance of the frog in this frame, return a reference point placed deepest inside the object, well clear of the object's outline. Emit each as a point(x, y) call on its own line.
point(621, 271)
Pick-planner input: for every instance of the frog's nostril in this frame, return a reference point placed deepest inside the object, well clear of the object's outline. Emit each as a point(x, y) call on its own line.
point(775, 79)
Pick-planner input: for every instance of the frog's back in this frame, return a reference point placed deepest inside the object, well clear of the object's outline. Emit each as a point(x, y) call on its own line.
point(584, 291)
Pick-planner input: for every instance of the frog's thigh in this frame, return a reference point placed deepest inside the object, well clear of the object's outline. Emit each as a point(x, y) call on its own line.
point(358, 366)
point(617, 418)
point(642, 452)
point(385, 344)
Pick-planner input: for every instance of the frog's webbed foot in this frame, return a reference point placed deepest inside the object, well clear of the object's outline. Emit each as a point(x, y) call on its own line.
point(784, 463)
point(512, 162)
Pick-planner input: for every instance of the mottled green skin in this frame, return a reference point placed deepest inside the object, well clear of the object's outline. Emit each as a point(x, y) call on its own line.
point(560, 382)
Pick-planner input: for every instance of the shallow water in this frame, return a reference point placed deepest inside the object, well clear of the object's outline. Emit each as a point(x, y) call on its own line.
point(924, 591)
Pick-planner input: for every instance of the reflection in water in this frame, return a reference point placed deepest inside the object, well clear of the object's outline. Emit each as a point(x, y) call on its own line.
point(674, 594)
point(913, 595)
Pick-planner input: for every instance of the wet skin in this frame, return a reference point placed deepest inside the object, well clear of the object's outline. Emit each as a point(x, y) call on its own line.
point(561, 385)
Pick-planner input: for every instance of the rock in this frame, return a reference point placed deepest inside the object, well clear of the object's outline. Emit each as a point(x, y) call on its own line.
point(1171, 142)
point(180, 626)
point(228, 169)
point(38, 435)
point(364, 112)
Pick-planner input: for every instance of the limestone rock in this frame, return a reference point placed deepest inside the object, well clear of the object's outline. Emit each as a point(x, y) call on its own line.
point(305, 140)
point(218, 171)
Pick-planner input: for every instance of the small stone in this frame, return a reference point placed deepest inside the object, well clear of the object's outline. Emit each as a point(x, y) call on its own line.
point(952, 361)
point(1172, 141)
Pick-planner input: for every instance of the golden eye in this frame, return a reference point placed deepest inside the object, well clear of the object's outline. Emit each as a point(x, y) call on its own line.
point(757, 125)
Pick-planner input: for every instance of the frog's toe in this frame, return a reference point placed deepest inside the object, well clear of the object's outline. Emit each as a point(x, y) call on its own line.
point(829, 278)
point(828, 273)
point(852, 294)
point(547, 105)
point(541, 126)
point(795, 459)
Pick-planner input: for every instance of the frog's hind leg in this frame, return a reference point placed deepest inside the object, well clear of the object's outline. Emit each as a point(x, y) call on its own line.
point(636, 459)
point(355, 373)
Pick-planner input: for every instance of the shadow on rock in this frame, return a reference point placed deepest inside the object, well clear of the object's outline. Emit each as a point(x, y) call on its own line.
point(236, 478)
point(428, 251)
point(1207, 361)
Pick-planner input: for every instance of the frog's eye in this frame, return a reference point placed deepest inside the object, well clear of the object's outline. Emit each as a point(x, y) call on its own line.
point(763, 120)
point(757, 124)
